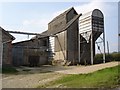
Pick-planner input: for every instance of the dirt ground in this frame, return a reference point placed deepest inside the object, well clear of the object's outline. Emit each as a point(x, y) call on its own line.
point(31, 77)
point(88, 69)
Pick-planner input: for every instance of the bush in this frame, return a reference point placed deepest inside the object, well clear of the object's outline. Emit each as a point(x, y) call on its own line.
point(109, 57)
point(116, 56)
point(9, 70)
point(98, 59)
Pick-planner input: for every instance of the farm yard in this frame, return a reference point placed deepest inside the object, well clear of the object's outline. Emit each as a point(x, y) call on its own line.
point(72, 49)
point(63, 76)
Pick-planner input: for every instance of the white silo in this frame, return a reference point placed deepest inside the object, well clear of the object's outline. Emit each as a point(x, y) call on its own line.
point(91, 26)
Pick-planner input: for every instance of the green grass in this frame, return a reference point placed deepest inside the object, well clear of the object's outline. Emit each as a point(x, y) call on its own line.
point(107, 78)
point(9, 70)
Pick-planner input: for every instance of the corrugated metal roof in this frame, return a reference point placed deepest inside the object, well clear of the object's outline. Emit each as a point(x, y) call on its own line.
point(48, 33)
point(64, 13)
point(95, 12)
point(7, 33)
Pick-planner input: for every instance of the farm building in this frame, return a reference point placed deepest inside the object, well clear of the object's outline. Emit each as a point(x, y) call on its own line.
point(30, 52)
point(91, 26)
point(6, 47)
point(70, 39)
point(63, 37)
point(67, 30)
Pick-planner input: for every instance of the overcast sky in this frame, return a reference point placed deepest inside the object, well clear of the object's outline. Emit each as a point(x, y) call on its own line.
point(35, 16)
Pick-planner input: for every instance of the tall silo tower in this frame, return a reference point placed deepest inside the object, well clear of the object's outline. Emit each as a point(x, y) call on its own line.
point(91, 26)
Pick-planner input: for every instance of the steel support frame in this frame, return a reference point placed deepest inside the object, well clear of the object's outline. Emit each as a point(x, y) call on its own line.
point(103, 47)
point(91, 48)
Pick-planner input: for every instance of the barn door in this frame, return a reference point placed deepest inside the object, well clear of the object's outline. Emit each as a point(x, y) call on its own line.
point(33, 61)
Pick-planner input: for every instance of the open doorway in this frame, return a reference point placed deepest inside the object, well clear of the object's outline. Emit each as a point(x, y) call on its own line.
point(33, 61)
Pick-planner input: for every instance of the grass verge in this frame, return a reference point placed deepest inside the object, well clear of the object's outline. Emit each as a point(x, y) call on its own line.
point(106, 78)
point(9, 70)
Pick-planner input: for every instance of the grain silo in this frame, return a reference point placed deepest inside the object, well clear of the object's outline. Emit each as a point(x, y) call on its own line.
point(91, 26)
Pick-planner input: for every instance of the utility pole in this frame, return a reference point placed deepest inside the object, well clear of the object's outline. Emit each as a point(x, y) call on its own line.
point(108, 47)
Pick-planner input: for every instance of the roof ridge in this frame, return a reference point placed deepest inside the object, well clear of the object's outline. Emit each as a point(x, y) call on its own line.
point(65, 12)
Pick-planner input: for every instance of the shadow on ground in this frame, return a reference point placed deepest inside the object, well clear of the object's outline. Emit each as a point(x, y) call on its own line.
point(41, 69)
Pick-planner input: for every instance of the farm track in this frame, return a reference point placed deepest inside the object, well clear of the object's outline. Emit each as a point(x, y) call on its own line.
point(45, 74)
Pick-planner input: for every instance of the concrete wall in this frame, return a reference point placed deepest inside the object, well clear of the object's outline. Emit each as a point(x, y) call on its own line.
point(61, 55)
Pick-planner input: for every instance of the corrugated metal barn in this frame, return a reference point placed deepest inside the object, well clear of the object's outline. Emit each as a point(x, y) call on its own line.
point(67, 30)
point(63, 37)
point(30, 52)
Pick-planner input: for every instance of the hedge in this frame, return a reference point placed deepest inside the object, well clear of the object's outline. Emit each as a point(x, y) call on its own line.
point(109, 57)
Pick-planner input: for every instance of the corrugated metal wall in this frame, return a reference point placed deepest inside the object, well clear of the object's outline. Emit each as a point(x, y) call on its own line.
point(17, 56)
point(60, 46)
point(66, 42)
point(22, 52)
point(72, 43)
point(1, 47)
